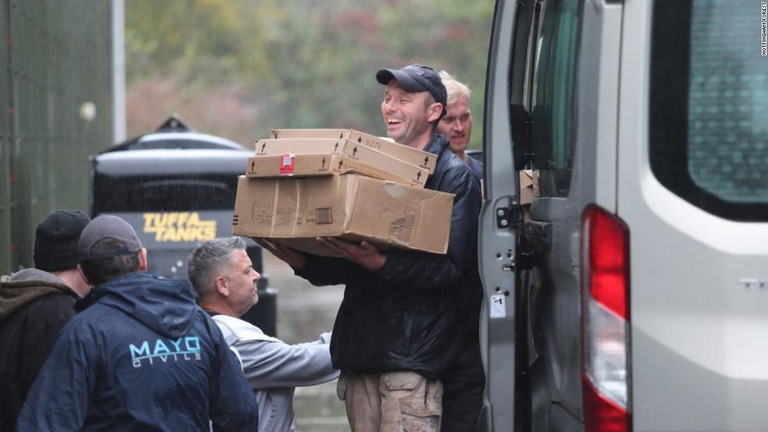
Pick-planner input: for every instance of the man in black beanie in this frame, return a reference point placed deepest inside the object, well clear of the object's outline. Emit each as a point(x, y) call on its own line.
point(35, 304)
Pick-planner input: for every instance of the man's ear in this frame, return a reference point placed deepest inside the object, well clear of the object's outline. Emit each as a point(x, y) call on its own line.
point(82, 275)
point(143, 259)
point(221, 285)
point(435, 110)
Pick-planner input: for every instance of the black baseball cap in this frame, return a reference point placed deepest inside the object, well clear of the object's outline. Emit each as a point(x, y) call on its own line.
point(417, 78)
point(107, 226)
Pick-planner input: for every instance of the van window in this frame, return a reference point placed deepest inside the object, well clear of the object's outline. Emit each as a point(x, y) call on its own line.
point(552, 133)
point(708, 105)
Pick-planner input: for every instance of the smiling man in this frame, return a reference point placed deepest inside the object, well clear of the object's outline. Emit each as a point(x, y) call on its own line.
point(414, 101)
point(397, 328)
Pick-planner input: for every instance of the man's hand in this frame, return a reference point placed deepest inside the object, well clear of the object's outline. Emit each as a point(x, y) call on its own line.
point(363, 254)
point(292, 257)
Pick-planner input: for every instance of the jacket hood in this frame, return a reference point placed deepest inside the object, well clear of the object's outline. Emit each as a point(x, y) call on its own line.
point(26, 286)
point(164, 305)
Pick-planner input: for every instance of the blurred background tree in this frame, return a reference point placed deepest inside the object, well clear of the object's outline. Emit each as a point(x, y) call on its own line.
point(240, 68)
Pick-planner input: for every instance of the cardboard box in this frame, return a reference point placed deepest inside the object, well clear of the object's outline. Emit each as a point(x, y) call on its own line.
point(302, 157)
point(276, 147)
point(294, 211)
point(529, 189)
point(529, 186)
point(411, 155)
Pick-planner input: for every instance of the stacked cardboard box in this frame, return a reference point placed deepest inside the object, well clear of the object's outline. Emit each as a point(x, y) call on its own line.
point(302, 157)
point(416, 157)
point(301, 184)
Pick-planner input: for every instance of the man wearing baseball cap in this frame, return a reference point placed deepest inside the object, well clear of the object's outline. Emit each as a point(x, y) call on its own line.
point(35, 303)
point(414, 102)
point(397, 328)
point(139, 355)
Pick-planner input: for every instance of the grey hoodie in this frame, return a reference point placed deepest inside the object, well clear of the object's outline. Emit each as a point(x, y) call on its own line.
point(274, 368)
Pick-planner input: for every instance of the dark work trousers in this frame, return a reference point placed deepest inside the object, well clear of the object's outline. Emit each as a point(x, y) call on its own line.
point(463, 386)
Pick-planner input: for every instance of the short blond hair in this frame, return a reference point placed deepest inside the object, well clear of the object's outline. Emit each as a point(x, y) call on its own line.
point(454, 87)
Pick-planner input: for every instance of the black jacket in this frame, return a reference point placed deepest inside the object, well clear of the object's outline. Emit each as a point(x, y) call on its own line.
point(409, 315)
point(34, 306)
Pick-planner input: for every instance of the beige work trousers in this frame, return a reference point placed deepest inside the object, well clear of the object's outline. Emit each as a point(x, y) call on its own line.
point(391, 402)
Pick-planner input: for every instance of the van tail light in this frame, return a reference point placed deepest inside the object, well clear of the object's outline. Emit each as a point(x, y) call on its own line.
point(605, 322)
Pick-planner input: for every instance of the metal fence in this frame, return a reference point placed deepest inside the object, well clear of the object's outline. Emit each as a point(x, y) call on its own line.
point(56, 108)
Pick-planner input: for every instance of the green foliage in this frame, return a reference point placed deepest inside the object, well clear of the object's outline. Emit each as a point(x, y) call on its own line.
point(240, 68)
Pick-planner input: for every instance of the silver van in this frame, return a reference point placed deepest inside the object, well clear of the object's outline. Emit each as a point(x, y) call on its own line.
point(632, 295)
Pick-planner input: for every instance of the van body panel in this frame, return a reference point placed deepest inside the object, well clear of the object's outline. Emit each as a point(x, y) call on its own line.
point(699, 336)
point(698, 272)
point(599, 80)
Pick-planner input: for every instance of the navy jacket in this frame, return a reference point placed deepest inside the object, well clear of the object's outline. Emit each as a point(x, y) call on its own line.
point(140, 356)
point(411, 314)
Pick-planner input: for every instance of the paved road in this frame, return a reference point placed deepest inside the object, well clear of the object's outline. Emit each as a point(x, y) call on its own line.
point(303, 312)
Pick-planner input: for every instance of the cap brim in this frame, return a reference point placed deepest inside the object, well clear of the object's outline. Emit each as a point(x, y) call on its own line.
point(406, 81)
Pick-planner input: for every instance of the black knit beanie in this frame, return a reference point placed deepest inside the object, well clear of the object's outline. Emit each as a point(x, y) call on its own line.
point(56, 240)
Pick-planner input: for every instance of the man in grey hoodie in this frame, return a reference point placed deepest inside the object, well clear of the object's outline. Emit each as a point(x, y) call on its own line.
point(35, 304)
point(225, 281)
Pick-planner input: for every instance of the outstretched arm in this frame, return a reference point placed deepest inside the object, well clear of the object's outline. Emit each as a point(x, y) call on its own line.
point(275, 364)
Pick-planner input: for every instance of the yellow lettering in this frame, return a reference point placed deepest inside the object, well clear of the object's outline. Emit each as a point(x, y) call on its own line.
point(151, 224)
point(148, 218)
point(183, 218)
point(209, 232)
point(166, 234)
point(179, 226)
point(188, 234)
point(198, 234)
